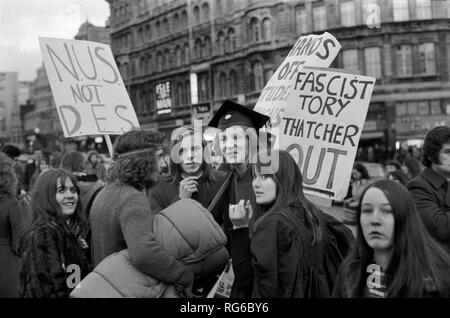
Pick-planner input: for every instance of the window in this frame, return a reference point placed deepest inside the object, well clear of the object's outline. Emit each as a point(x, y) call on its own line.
point(255, 31)
point(435, 106)
point(372, 58)
point(142, 67)
point(140, 36)
point(320, 18)
point(424, 108)
point(401, 10)
point(267, 29)
point(176, 22)
point(184, 19)
point(371, 12)
point(178, 56)
point(205, 9)
point(167, 59)
point(221, 43)
point(223, 89)
point(166, 26)
point(203, 86)
point(230, 5)
point(160, 61)
point(148, 32)
point(301, 21)
point(198, 49)
point(187, 93)
point(232, 39)
point(196, 15)
point(350, 60)
point(258, 76)
point(348, 16)
point(219, 7)
point(413, 108)
point(186, 54)
point(207, 47)
point(149, 64)
point(267, 75)
point(403, 61)
point(234, 87)
point(423, 9)
point(158, 29)
point(427, 59)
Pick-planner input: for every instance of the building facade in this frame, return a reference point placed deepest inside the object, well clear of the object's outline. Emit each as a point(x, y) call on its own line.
point(233, 47)
point(9, 108)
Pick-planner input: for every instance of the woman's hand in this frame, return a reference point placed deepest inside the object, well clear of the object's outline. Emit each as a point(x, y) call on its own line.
point(240, 214)
point(188, 186)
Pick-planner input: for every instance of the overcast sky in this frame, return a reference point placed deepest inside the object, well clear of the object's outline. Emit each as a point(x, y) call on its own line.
point(23, 21)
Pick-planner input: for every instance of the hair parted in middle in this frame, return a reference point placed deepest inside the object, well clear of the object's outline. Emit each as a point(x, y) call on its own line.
point(73, 161)
point(134, 159)
point(416, 255)
point(175, 168)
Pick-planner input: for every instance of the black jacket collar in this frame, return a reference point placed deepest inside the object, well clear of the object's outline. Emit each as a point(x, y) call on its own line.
point(433, 177)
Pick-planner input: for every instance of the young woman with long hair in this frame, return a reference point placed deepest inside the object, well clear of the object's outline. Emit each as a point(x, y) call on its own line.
point(52, 246)
point(279, 255)
point(394, 256)
point(191, 175)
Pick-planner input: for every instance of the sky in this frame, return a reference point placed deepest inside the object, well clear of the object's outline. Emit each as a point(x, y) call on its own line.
point(23, 21)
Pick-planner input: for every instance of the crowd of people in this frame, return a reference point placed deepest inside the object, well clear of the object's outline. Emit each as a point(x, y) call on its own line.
point(150, 228)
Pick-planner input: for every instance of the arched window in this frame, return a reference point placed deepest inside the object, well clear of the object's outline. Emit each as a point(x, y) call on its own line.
point(198, 49)
point(178, 55)
point(267, 29)
point(258, 76)
point(207, 47)
point(167, 59)
point(234, 87)
point(232, 40)
point(186, 54)
point(158, 29)
point(205, 10)
point(219, 8)
point(267, 75)
point(230, 5)
point(166, 26)
point(255, 34)
point(221, 43)
point(223, 91)
point(160, 61)
point(187, 93)
point(142, 67)
point(196, 15)
point(149, 64)
point(176, 22)
point(140, 36)
point(148, 32)
point(184, 19)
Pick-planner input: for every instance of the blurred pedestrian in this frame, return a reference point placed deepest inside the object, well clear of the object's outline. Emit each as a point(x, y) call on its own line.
point(54, 261)
point(93, 165)
point(13, 153)
point(360, 180)
point(394, 256)
point(13, 219)
point(43, 163)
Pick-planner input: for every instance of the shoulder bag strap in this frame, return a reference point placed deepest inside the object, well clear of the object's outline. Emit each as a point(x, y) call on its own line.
point(219, 194)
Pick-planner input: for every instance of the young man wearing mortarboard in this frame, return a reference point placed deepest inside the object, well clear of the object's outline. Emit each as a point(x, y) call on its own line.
point(239, 127)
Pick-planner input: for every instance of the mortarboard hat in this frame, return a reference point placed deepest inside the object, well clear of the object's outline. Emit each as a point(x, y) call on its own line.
point(233, 114)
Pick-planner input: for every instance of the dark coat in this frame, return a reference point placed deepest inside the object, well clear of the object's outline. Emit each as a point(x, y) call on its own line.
point(272, 264)
point(121, 218)
point(50, 250)
point(13, 219)
point(166, 193)
point(432, 198)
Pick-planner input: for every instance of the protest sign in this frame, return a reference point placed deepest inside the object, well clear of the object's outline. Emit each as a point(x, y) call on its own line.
point(321, 127)
point(88, 90)
point(309, 50)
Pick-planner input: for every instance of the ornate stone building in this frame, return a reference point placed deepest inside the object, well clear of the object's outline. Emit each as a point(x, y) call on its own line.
point(232, 47)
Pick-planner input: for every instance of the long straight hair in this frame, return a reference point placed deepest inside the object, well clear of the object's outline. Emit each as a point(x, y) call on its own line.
point(289, 193)
point(46, 210)
point(175, 168)
point(416, 255)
